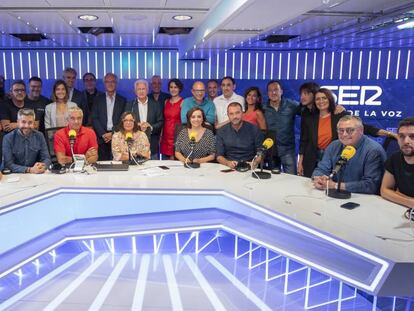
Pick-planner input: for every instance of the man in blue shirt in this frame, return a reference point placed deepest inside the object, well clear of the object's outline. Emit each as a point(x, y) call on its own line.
point(280, 116)
point(198, 100)
point(25, 149)
point(363, 172)
point(238, 140)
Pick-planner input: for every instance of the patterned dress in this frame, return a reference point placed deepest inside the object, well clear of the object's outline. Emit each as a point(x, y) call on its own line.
point(203, 148)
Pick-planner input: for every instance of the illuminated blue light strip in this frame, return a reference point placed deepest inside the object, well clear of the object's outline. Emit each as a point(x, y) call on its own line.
point(177, 239)
point(96, 65)
point(350, 65)
point(369, 65)
point(137, 64)
point(359, 65)
point(297, 66)
point(272, 66)
point(332, 64)
point(141, 283)
point(104, 62)
point(388, 65)
point(233, 64)
point(110, 282)
point(44, 280)
point(225, 64)
point(185, 70)
point(37, 63)
point(29, 62)
point(201, 70)
point(46, 66)
point(169, 65)
point(21, 66)
point(87, 62)
point(4, 65)
point(209, 67)
point(172, 283)
point(12, 61)
point(157, 245)
point(198, 250)
point(239, 285)
point(314, 66)
point(408, 65)
point(280, 66)
point(177, 74)
point(202, 281)
point(217, 64)
point(256, 72)
point(120, 66)
point(241, 65)
point(145, 65)
point(75, 284)
point(341, 65)
point(113, 62)
point(54, 66)
point(63, 60)
point(323, 66)
point(306, 65)
point(161, 65)
point(129, 65)
point(379, 65)
point(339, 300)
point(153, 63)
point(249, 56)
point(398, 64)
point(264, 65)
point(288, 67)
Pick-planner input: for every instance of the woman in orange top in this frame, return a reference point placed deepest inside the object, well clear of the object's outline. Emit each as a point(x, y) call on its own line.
point(317, 131)
point(254, 112)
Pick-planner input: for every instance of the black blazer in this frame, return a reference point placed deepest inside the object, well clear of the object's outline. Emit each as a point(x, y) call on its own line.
point(161, 98)
point(100, 117)
point(79, 98)
point(309, 139)
point(155, 118)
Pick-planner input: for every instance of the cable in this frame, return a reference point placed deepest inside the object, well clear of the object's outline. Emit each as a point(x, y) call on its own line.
point(188, 157)
point(252, 169)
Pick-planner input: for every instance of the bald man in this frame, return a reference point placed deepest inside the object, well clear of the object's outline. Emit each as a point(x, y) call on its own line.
point(198, 100)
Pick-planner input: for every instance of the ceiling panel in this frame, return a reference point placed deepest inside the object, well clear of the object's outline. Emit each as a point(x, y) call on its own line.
point(136, 23)
point(76, 3)
point(200, 4)
point(46, 22)
point(23, 3)
point(137, 4)
point(168, 21)
point(103, 20)
point(11, 24)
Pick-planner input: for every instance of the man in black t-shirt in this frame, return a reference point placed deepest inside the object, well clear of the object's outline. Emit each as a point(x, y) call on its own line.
point(37, 101)
point(398, 181)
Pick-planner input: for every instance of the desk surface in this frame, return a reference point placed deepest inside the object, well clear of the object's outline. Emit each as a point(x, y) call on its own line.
point(377, 225)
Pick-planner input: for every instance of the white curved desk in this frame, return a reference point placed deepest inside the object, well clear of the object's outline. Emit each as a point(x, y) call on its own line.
point(376, 230)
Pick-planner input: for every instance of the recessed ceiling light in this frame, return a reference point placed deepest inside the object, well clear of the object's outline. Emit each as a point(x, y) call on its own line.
point(88, 17)
point(182, 17)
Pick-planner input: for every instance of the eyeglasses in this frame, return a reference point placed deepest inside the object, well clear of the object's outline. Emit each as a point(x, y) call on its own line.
point(348, 130)
point(19, 90)
point(199, 91)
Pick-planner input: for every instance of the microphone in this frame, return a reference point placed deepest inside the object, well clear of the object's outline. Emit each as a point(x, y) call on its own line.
point(267, 144)
point(129, 138)
point(192, 136)
point(347, 153)
point(72, 137)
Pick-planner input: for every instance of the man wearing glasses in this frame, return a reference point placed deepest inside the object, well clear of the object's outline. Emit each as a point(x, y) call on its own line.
point(10, 107)
point(198, 90)
point(363, 172)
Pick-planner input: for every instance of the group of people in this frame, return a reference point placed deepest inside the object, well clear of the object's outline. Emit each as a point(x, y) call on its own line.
point(226, 128)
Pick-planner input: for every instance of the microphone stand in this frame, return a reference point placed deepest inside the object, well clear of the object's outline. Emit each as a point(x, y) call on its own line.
point(337, 193)
point(191, 164)
point(260, 174)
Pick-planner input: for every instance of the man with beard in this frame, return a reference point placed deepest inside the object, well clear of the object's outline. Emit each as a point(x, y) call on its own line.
point(237, 140)
point(398, 181)
point(37, 101)
point(25, 149)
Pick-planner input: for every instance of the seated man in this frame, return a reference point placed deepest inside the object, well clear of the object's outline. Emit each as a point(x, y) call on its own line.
point(238, 140)
point(364, 170)
point(85, 140)
point(398, 181)
point(25, 149)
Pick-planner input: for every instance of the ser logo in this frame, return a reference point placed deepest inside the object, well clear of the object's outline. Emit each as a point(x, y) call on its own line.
point(354, 95)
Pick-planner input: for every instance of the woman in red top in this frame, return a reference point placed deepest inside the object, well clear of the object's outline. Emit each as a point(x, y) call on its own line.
point(254, 112)
point(172, 117)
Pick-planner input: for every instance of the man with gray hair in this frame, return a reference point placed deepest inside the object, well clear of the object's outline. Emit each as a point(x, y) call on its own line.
point(148, 114)
point(84, 140)
point(159, 96)
point(25, 149)
point(76, 96)
point(363, 171)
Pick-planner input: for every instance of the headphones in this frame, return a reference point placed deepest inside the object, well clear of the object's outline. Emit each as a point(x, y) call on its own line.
point(57, 168)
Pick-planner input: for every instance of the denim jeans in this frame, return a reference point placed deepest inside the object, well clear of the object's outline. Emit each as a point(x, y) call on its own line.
point(285, 158)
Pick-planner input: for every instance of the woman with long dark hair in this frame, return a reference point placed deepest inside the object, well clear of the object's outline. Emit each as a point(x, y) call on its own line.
point(253, 112)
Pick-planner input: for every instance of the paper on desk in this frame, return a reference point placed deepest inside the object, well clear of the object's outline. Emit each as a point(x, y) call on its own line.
point(154, 171)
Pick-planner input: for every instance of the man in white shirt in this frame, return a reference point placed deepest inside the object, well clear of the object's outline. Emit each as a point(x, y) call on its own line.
point(228, 85)
point(148, 114)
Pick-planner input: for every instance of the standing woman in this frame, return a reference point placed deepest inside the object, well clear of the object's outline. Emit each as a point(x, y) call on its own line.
point(253, 112)
point(172, 117)
point(56, 113)
point(318, 131)
point(205, 142)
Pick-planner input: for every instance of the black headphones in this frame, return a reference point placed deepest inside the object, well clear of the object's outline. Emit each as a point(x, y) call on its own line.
point(57, 168)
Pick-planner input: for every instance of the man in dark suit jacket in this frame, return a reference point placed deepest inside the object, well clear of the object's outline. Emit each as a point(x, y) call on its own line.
point(76, 96)
point(159, 96)
point(106, 113)
point(148, 114)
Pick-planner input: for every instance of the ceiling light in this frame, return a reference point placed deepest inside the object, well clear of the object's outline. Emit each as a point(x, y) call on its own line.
point(406, 25)
point(88, 17)
point(182, 17)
